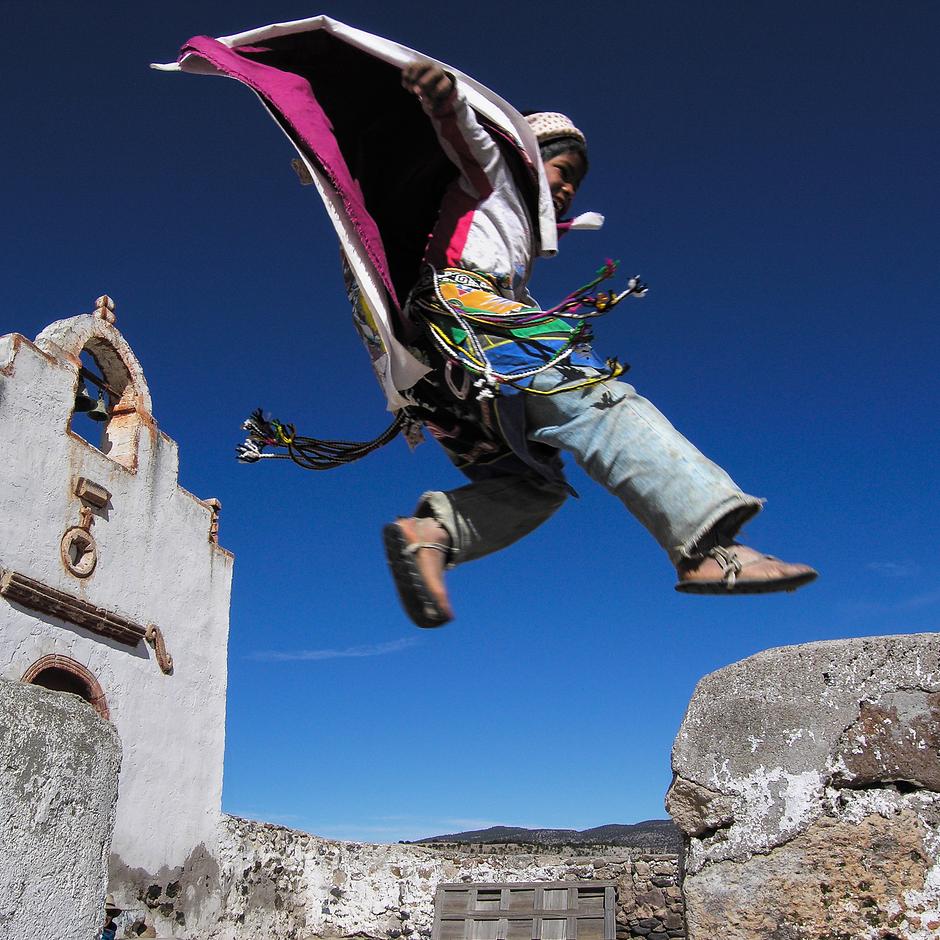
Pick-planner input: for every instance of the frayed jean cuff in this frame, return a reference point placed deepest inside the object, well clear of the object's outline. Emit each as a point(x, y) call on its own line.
point(729, 517)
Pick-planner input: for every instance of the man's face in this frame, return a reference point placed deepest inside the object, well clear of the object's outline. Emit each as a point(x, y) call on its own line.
point(564, 172)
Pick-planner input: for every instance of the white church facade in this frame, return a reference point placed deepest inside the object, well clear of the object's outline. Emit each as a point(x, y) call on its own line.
point(113, 584)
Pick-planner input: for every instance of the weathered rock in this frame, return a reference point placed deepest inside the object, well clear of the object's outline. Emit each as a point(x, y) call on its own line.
point(59, 764)
point(696, 810)
point(807, 785)
point(800, 889)
point(894, 740)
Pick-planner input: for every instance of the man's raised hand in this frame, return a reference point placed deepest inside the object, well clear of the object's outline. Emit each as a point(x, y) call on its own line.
point(429, 82)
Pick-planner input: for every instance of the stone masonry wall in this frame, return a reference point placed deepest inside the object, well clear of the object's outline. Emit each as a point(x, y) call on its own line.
point(656, 909)
point(282, 884)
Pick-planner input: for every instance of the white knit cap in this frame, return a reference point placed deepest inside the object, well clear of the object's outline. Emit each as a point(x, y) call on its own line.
point(550, 125)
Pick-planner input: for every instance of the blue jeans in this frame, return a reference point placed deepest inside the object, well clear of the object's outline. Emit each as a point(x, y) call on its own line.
point(624, 443)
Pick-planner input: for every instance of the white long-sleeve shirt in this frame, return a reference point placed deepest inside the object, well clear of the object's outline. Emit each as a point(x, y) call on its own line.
point(484, 224)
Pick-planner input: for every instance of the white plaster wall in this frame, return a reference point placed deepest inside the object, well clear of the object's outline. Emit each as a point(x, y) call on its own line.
point(156, 564)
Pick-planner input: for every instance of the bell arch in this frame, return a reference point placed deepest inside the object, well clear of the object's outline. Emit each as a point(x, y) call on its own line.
point(62, 674)
point(105, 365)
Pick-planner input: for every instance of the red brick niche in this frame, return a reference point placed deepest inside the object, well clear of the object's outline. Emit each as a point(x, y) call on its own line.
point(62, 674)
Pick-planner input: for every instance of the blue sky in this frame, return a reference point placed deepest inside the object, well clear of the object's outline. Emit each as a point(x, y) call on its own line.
point(769, 168)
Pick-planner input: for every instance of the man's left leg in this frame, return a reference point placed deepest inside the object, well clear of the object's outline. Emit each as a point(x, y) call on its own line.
point(687, 502)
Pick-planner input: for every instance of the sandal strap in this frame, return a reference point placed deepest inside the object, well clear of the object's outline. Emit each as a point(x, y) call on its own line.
point(730, 564)
point(413, 547)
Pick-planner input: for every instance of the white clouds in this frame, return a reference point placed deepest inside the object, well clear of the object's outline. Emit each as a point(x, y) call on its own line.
point(894, 569)
point(927, 599)
point(899, 606)
point(349, 652)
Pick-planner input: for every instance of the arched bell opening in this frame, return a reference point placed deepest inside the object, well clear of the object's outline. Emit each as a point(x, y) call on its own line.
point(61, 674)
point(105, 414)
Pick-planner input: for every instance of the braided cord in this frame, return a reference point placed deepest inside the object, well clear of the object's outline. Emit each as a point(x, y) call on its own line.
point(312, 453)
point(475, 360)
point(271, 439)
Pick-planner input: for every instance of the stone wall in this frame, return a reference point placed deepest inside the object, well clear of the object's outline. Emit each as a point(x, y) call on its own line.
point(281, 884)
point(654, 908)
point(808, 789)
point(59, 765)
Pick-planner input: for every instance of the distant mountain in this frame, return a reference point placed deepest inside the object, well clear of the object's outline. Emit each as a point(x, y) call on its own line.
point(654, 835)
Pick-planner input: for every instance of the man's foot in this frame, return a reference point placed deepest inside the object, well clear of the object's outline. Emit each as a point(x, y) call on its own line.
point(736, 569)
point(417, 552)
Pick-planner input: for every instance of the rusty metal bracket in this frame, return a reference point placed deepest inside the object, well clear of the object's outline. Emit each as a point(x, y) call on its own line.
point(154, 636)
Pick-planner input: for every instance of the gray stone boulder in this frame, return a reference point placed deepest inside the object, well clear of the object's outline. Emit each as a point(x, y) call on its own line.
point(807, 786)
point(59, 764)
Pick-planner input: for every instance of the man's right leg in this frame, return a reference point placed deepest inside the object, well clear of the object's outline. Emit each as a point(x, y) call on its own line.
point(450, 528)
point(490, 514)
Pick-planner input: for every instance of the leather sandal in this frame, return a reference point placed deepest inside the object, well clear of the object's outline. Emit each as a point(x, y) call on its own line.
point(423, 605)
point(732, 568)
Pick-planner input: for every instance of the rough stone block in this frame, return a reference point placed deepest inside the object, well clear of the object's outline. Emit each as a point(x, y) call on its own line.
point(808, 790)
point(652, 899)
point(59, 764)
point(673, 921)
